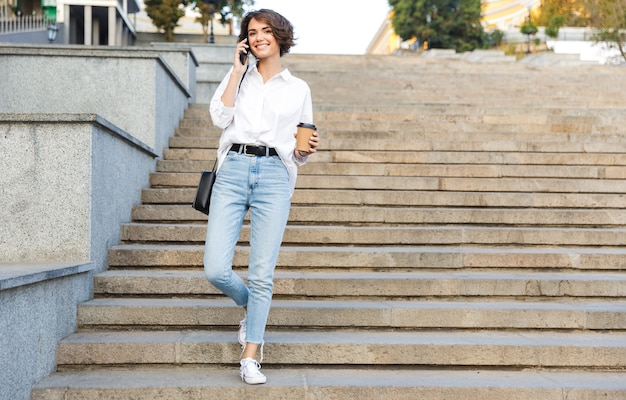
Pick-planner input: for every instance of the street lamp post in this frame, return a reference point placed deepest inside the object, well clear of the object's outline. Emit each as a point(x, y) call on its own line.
point(212, 4)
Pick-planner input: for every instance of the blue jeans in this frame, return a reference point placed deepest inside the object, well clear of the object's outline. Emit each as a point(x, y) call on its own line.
point(261, 185)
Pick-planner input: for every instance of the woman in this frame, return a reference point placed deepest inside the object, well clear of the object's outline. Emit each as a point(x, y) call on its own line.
point(259, 107)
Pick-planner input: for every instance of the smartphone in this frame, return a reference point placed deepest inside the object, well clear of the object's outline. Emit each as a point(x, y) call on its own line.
point(244, 55)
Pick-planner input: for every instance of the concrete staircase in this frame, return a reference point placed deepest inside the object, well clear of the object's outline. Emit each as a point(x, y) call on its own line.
point(460, 235)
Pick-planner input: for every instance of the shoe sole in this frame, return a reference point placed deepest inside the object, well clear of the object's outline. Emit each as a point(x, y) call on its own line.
point(254, 381)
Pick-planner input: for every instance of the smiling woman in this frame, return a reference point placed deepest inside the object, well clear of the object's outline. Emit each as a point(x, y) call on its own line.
point(258, 106)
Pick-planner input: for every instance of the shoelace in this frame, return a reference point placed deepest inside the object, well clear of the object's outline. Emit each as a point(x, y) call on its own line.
point(244, 349)
point(254, 362)
point(242, 324)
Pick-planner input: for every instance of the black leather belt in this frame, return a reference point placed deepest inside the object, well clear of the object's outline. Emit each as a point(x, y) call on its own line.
point(251, 150)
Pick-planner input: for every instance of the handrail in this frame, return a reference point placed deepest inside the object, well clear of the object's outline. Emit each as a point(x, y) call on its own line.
point(24, 23)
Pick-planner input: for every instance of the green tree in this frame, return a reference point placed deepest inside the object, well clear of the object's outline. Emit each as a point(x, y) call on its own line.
point(556, 22)
point(165, 15)
point(608, 19)
point(449, 24)
point(226, 8)
point(571, 11)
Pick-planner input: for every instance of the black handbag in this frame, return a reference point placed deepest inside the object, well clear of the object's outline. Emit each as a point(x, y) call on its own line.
point(207, 179)
point(203, 194)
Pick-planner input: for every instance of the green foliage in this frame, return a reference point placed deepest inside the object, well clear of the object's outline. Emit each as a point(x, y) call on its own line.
point(165, 15)
point(556, 22)
point(572, 12)
point(445, 24)
point(493, 39)
point(226, 8)
point(608, 18)
point(528, 28)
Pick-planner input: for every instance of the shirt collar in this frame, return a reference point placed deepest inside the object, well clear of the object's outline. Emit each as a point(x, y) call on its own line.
point(285, 74)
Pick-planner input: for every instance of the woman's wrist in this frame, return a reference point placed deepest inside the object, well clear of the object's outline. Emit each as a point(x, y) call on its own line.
point(300, 155)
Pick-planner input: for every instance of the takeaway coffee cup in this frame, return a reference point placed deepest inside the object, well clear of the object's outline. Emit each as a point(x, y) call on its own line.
point(305, 131)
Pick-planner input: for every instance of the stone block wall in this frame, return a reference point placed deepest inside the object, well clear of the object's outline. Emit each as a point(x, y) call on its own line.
point(80, 131)
point(128, 88)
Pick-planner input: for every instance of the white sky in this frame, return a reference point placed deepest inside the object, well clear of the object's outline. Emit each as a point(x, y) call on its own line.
point(331, 26)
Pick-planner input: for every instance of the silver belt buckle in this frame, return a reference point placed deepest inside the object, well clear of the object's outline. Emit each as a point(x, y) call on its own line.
point(245, 147)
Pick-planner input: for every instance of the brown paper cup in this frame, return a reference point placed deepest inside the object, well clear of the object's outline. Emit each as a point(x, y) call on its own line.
point(305, 131)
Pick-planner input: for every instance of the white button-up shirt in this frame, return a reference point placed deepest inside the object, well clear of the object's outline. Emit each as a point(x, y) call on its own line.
point(265, 114)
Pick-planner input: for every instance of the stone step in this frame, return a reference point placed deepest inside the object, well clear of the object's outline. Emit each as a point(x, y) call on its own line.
point(334, 284)
point(384, 258)
point(434, 113)
point(463, 313)
point(454, 184)
point(352, 147)
point(394, 216)
point(410, 92)
point(462, 79)
point(498, 76)
point(429, 113)
point(322, 197)
point(425, 110)
point(399, 235)
point(340, 95)
point(203, 127)
point(474, 249)
point(398, 383)
point(460, 127)
point(417, 170)
point(463, 112)
point(528, 348)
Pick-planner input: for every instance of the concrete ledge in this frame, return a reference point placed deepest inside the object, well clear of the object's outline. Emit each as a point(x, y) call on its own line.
point(78, 118)
point(16, 275)
point(135, 89)
point(38, 304)
point(68, 183)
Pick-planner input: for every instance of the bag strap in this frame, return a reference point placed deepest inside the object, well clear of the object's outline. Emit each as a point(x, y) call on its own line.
point(241, 81)
point(238, 89)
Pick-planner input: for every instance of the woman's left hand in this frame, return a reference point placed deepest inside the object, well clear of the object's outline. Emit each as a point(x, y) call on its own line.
point(313, 143)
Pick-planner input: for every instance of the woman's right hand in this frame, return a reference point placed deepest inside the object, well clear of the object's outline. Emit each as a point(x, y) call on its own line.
point(242, 48)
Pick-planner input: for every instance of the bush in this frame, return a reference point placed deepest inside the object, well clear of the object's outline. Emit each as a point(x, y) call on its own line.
point(528, 28)
point(556, 22)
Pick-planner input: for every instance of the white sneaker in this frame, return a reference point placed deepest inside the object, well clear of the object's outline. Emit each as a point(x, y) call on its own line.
point(242, 332)
point(249, 372)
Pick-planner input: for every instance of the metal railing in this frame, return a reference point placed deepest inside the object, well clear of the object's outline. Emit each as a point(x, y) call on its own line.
point(24, 23)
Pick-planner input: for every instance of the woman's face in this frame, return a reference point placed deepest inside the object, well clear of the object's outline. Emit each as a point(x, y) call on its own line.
point(261, 39)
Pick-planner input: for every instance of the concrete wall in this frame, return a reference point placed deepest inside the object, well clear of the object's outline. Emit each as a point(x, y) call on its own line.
point(69, 181)
point(80, 131)
point(33, 37)
point(183, 62)
point(125, 87)
point(214, 62)
point(38, 308)
point(587, 51)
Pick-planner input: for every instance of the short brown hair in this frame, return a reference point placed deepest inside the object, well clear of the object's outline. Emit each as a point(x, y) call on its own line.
point(281, 27)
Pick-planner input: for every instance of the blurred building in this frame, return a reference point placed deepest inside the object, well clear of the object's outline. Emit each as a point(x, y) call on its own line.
point(88, 22)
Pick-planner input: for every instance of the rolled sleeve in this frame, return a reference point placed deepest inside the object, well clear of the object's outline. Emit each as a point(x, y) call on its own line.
point(221, 115)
